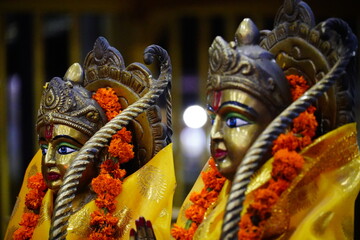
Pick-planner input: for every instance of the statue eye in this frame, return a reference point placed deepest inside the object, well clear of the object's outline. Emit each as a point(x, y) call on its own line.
point(64, 149)
point(236, 120)
point(44, 149)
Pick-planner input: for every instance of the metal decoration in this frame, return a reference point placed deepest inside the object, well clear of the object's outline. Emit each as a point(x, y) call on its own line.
point(104, 66)
point(333, 44)
point(68, 102)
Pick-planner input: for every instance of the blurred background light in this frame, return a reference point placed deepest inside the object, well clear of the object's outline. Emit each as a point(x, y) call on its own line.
point(193, 141)
point(195, 116)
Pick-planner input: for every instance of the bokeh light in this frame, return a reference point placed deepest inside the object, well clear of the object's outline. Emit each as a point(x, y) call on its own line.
point(195, 116)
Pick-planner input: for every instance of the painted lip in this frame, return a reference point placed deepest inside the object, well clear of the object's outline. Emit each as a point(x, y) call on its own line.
point(52, 176)
point(220, 154)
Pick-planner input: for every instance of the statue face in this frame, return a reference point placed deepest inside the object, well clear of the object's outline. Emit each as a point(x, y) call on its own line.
point(237, 120)
point(60, 145)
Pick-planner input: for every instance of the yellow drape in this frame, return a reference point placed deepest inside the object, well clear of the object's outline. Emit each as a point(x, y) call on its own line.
point(318, 205)
point(148, 192)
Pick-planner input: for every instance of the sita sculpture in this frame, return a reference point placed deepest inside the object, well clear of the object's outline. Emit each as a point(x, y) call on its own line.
point(106, 155)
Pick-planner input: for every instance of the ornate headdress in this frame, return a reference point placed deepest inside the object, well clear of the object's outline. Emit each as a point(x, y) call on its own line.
point(248, 67)
point(66, 101)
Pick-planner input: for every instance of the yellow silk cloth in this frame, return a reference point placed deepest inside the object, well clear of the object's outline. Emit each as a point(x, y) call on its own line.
point(148, 192)
point(319, 204)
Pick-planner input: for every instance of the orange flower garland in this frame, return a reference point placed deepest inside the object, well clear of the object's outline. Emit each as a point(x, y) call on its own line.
point(33, 200)
point(108, 184)
point(287, 165)
point(213, 183)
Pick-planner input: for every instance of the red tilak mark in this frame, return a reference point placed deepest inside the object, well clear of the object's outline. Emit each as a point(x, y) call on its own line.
point(216, 100)
point(49, 131)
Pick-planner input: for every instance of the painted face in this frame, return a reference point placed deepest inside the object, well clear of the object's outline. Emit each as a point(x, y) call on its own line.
point(60, 145)
point(237, 120)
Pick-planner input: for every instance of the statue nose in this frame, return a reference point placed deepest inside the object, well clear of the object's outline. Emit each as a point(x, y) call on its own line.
point(217, 135)
point(49, 158)
point(216, 130)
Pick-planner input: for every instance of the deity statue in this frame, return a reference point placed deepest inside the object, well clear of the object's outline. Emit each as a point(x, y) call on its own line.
point(283, 138)
point(106, 156)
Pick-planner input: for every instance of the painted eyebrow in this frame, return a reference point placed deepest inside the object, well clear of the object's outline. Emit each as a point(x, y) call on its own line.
point(68, 137)
point(247, 108)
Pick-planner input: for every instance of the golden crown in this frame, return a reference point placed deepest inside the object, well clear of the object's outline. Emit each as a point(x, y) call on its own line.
point(242, 65)
point(66, 101)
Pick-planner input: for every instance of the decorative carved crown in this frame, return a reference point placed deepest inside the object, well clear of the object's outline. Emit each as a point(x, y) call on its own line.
point(68, 102)
point(245, 66)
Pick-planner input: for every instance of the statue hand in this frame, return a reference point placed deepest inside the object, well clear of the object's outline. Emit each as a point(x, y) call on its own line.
point(144, 230)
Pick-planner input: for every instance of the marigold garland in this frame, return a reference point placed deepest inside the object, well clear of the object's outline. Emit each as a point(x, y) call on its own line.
point(108, 185)
point(33, 200)
point(286, 166)
point(213, 183)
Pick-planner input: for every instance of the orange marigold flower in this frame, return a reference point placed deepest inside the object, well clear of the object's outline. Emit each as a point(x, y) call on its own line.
point(311, 109)
point(278, 186)
point(212, 163)
point(111, 220)
point(96, 236)
point(112, 167)
point(23, 233)
point(111, 114)
point(195, 213)
point(105, 184)
point(178, 232)
point(108, 166)
point(288, 141)
point(213, 183)
point(37, 182)
point(100, 236)
point(124, 135)
point(100, 219)
point(29, 220)
point(108, 100)
point(266, 197)
point(298, 86)
point(106, 201)
point(122, 150)
point(108, 230)
point(211, 197)
point(304, 141)
point(198, 199)
point(191, 231)
point(97, 218)
point(119, 173)
point(248, 231)
point(213, 180)
point(287, 164)
point(305, 124)
point(33, 199)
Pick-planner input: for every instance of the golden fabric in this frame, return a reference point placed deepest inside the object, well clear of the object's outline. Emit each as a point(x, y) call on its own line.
point(319, 204)
point(148, 192)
